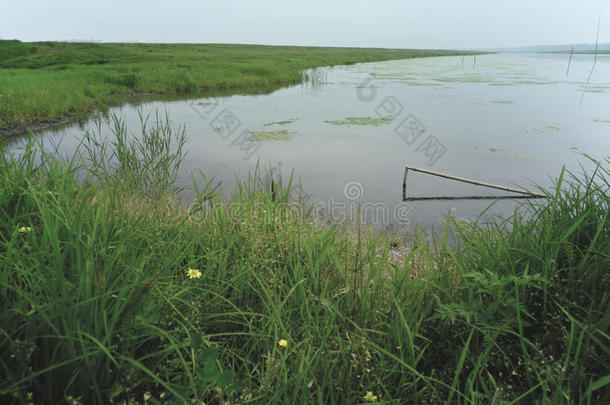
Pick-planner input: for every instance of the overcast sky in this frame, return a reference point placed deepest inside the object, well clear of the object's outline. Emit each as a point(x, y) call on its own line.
point(383, 23)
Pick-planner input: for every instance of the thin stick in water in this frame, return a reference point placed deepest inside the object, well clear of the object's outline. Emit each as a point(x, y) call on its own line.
point(599, 19)
point(471, 197)
point(464, 180)
point(404, 183)
point(569, 61)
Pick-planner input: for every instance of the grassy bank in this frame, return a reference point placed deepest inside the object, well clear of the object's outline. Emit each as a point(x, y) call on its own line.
point(46, 81)
point(112, 292)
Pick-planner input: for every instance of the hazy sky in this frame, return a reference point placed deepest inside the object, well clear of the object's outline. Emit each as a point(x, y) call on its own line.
point(382, 23)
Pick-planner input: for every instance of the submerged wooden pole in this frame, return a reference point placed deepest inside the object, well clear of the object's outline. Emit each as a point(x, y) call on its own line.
point(273, 188)
point(404, 183)
point(471, 197)
point(463, 180)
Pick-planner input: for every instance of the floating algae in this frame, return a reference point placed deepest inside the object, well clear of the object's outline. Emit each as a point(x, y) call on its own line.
point(283, 135)
point(368, 121)
point(411, 82)
point(509, 152)
point(593, 88)
point(285, 122)
point(538, 82)
point(546, 128)
point(468, 78)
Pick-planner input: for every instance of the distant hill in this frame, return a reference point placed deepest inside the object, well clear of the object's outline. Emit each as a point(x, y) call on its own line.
point(555, 48)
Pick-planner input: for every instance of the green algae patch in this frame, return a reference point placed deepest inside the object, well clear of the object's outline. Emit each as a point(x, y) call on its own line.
point(467, 78)
point(285, 122)
point(546, 128)
point(363, 121)
point(593, 88)
point(283, 135)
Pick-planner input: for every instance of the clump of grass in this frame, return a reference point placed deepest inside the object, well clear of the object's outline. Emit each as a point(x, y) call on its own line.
point(111, 296)
point(146, 162)
point(280, 135)
point(530, 295)
point(364, 121)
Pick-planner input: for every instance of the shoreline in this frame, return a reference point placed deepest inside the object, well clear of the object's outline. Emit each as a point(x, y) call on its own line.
point(71, 81)
point(6, 134)
point(135, 98)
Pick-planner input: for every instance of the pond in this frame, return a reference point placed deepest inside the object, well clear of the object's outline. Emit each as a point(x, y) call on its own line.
point(347, 132)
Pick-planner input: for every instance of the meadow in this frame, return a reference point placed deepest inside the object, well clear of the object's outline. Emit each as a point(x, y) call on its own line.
point(44, 82)
point(112, 292)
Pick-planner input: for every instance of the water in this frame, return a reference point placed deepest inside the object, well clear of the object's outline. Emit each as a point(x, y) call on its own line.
point(508, 119)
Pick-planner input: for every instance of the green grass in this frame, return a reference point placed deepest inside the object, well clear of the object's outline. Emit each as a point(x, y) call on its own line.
point(97, 306)
point(45, 81)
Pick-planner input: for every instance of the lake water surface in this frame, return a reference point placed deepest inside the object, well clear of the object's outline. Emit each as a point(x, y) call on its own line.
point(347, 132)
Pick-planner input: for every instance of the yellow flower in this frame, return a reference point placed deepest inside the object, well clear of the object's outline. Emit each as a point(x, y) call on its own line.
point(193, 273)
point(370, 397)
point(282, 343)
point(25, 229)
